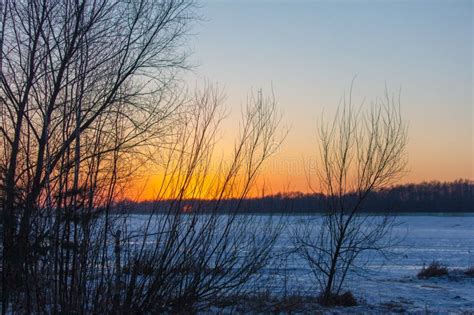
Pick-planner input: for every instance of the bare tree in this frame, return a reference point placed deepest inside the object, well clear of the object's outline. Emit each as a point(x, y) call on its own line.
point(88, 98)
point(361, 151)
point(85, 85)
point(201, 251)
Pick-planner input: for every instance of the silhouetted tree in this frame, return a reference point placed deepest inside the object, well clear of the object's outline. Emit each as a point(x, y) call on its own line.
point(360, 152)
point(88, 98)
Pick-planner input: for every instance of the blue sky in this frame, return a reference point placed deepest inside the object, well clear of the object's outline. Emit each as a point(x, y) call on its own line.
point(309, 51)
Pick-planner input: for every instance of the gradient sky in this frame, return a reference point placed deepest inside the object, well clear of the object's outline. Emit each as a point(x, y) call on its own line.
point(309, 51)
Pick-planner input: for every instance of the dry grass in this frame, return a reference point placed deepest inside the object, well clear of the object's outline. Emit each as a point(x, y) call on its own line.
point(264, 302)
point(345, 299)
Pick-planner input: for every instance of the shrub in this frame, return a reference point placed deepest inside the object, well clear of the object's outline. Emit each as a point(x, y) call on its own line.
point(469, 271)
point(435, 269)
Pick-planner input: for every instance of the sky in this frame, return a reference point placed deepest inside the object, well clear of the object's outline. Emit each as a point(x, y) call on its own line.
point(308, 52)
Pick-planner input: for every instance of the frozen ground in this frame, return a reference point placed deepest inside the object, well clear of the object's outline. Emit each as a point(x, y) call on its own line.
point(392, 283)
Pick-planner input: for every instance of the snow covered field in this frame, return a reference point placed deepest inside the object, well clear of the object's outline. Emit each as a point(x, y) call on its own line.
point(390, 284)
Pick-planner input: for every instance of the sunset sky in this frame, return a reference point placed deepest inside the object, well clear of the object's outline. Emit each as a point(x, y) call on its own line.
point(309, 52)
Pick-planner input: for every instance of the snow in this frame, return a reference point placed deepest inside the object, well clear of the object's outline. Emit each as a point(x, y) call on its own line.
point(393, 282)
point(390, 284)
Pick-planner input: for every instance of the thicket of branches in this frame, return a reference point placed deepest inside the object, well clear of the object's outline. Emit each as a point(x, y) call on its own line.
point(87, 97)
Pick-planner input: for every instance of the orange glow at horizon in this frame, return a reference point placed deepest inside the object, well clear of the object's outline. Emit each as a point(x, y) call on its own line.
point(287, 175)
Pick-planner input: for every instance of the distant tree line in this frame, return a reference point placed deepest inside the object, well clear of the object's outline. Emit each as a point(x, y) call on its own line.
point(433, 196)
